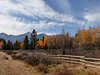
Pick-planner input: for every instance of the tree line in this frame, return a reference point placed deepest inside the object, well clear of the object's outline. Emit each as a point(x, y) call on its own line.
point(83, 39)
point(25, 45)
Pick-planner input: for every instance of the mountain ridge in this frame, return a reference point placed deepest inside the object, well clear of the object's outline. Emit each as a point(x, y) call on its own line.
point(20, 37)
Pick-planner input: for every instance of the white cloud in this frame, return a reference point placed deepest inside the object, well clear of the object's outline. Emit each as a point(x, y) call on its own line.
point(47, 33)
point(14, 26)
point(11, 25)
point(31, 8)
point(93, 17)
point(45, 25)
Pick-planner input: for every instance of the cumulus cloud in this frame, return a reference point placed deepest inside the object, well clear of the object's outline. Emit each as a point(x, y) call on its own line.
point(38, 10)
point(92, 15)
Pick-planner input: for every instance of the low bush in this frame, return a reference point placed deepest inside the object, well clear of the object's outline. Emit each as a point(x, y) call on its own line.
point(40, 59)
point(32, 60)
point(11, 52)
point(64, 71)
point(19, 57)
point(45, 60)
point(42, 68)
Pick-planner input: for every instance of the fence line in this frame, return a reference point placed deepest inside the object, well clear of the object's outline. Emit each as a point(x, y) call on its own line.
point(92, 62)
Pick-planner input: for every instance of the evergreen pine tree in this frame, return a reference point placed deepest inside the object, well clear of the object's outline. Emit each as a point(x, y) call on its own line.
point(16, 45)
point(11, 46)
point(25, 46)
point(33, 39)
point(8, 45)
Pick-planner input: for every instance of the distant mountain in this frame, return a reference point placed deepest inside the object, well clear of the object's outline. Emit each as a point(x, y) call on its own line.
point(20, 38)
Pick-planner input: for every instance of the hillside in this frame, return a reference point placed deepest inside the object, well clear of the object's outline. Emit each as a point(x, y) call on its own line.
point(13, 67)
point(10, 66)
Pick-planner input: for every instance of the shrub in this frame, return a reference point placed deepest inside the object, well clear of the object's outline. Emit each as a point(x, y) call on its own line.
point(45, 60)
point(32, 60)
point(22, 56)
point(19, 57)
point(11, 52)
point(64, 71)
point(42, 68)
point(35, 59)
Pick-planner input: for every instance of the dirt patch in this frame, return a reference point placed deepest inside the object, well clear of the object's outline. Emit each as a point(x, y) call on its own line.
point(8, 66)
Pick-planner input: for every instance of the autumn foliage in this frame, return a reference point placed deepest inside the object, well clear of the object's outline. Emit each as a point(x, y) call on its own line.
point(54, 42)
point(87, 39)
point(21, 45)
point(84, 39)
point(1, 44)
point(39, 45)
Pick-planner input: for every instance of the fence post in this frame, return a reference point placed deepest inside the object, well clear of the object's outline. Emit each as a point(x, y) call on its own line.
point(69, 59)
point(83, 60)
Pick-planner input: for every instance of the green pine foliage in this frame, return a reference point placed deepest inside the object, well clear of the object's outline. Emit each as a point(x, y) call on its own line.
point(33, 39)
point(26, 45)
point(16, 45)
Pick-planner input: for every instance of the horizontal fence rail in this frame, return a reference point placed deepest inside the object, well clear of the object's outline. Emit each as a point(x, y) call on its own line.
point(92, 62)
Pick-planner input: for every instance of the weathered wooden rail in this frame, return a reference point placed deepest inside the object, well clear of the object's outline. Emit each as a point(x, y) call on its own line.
point(93, 62)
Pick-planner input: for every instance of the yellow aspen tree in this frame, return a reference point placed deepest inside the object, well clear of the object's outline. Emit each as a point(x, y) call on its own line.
point(45, 41)
point(21, 45)
point(1, 44)
point(39, 45)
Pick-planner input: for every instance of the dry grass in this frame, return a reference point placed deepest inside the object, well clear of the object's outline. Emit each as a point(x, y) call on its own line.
point(33, 58)
point(13, 67)
point(42, 68)
point(74, 69)
point(8, 66)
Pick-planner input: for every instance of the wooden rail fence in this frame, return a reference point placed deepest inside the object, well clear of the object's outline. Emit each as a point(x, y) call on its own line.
point(92, 62)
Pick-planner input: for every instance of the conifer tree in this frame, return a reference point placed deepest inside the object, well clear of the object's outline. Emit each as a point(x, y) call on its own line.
point(11, 46)
point(25, 46)
point(33, 39)
point(8, 45)
point(16, 45)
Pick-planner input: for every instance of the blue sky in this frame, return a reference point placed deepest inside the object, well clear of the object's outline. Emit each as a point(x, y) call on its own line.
point(48, 16)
